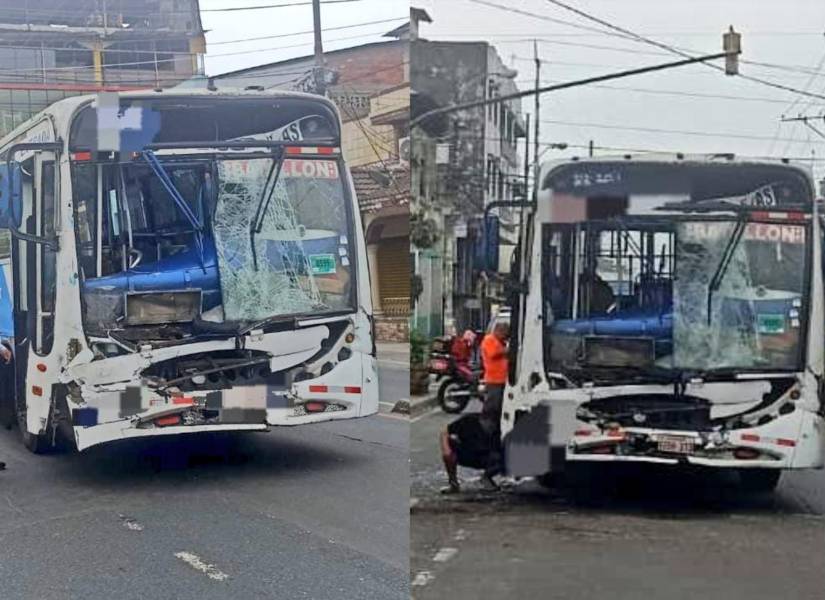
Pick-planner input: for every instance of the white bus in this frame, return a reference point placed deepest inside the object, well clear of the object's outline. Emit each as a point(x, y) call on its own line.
point(183, 262)
point(671, 312)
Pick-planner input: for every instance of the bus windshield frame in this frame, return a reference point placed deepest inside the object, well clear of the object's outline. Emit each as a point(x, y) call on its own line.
point(721, 279)
point(199, 181)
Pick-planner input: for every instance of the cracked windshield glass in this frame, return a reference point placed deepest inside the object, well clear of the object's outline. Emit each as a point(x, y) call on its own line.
point(298, 260)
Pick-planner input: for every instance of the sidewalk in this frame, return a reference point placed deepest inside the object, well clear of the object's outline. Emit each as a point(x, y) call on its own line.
point(394, 352)
point(422, 403)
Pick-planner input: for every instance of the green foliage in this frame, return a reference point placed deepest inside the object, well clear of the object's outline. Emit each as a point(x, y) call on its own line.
point(418, 348)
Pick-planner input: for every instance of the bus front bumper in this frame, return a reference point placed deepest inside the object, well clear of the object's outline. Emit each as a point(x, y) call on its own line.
point(793, 441)
point(348, 391)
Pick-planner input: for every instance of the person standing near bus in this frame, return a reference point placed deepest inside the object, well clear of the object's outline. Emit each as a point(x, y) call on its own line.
point(494, 361)
point(495, 364)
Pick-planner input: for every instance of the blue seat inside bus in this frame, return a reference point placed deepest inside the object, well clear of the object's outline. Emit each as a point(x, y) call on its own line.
point(181, 271)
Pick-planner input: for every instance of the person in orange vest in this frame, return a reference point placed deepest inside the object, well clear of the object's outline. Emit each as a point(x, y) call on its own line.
point(495, 363)
point(474, 440)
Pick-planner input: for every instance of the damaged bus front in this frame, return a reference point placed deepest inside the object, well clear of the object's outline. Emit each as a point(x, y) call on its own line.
point(673, 314)
point(209, 262)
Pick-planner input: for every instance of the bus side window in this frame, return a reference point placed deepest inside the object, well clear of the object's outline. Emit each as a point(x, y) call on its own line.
point(48, 259)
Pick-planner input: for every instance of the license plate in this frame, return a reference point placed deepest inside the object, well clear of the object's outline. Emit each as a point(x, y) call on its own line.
point(675, 444)
point(438, 365)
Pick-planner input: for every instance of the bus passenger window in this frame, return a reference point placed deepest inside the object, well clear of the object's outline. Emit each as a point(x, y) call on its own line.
point(48, 260)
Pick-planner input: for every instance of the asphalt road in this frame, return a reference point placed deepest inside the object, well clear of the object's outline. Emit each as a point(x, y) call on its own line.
point(315, 512)
point(653, 535)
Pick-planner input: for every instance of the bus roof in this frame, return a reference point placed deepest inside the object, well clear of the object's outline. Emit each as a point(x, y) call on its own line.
point(64, 109)
point(700, 178)
point(673, 158)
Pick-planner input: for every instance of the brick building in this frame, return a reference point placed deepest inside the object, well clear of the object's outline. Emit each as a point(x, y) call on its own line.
point(51, 49)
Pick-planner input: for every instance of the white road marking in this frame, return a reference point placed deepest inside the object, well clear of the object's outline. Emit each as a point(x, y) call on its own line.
point(444, 554)
point(429, 413)
point(400, 363)
point(422, 578)
point(194, 561)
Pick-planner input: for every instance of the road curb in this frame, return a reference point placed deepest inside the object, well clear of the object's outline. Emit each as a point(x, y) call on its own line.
point(421, 404)
point(402, 406)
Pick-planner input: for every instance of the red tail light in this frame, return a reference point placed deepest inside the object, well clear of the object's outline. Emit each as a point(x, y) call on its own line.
point(315, 407)
point(168, 420)
point(745, 453)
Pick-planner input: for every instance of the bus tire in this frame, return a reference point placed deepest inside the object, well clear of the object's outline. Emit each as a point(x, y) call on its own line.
point(759, 480)
point(35, 443)
point(7, 416)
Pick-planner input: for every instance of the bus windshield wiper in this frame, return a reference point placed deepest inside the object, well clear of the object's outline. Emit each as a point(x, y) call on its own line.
point(294, 317)
point(263, 202)
point(724, 262)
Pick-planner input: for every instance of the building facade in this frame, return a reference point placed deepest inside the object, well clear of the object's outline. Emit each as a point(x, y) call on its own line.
point(370, 86)
point(52, 49)
point(473, 160)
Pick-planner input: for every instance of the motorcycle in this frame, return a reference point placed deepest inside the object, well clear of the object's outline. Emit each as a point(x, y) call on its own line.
point(458, 382)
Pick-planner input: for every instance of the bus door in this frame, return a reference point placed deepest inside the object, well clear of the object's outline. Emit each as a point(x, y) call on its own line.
point(34, 255)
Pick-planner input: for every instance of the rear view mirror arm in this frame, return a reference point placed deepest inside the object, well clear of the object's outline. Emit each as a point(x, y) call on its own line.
point(55, 147)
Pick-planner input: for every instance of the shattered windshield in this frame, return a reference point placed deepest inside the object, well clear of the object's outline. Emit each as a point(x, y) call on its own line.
point(301, 258)
point(753, 319)
point(180, 227)
point(642, 297)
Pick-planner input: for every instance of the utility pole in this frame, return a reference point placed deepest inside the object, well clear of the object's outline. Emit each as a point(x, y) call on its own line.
point(590, 148)
point(537, 119)
point(527, 158)
point(522, 219)
point(320, 83)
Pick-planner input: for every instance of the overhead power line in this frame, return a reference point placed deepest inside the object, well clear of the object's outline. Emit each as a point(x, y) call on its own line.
point(267, 6)
point(294, 33)
point(151, 62)
point(519, 11)
point(649, 41)
point(720, 134)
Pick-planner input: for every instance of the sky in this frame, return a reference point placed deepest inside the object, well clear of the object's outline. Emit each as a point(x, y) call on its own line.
point(226, 49)
point(687, 109)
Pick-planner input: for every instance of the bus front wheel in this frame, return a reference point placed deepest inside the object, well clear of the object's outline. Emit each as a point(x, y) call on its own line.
point(759, 480)
point(7, 409)
point(38, 444)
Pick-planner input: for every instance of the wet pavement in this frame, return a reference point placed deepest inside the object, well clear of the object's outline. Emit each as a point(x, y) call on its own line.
point(646, 533)
point(318, 511)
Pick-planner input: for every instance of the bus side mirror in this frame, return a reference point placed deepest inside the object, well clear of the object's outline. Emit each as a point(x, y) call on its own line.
point(10, 196)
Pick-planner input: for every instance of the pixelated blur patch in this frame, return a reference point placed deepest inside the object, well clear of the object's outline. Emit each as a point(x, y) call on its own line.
point(84, 417)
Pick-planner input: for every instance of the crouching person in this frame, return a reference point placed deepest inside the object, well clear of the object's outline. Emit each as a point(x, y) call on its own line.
point(470, 441)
